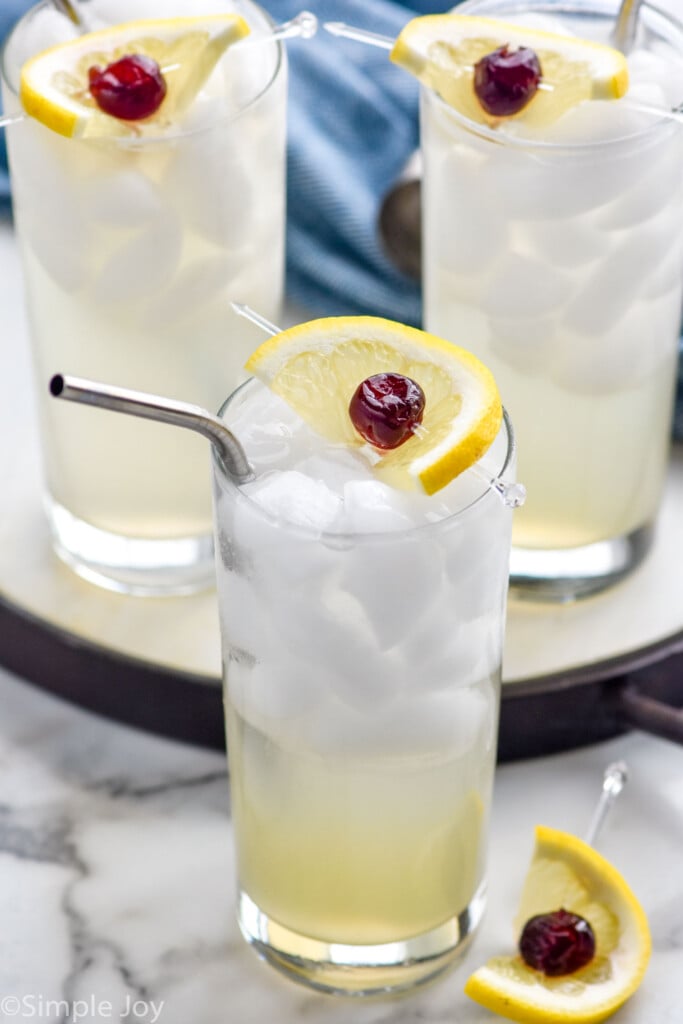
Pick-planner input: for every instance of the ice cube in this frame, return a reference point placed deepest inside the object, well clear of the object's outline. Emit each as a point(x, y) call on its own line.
point(195, 286)
point(655, 191)
point(294, 498)
point(371, 506)
point(335, 468)
point(445, 653)
point(212, 189)
point(656, 69)
point(525, 345)
point(280, 557)
point(46, 190)
point(617, 282)
point(327, 628)
point(524, 288)
point(604, 363)
point(534, 185)
point(448, 724)
point(272, 695)
point(468, 226)
point(141, 265)
point(124, 198)
point(567, 243)
point(244, 619)
point(395, 584)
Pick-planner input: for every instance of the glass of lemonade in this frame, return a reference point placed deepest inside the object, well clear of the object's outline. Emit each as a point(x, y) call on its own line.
point(132, 249)
point(362, 632)
point(556, 255)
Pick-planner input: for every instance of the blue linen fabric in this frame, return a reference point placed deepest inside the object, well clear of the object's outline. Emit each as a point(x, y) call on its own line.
point(353, 124)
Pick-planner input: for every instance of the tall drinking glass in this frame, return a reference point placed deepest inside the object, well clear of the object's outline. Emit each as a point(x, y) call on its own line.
point(132, 250)
point(362, 679)
point(556, 255)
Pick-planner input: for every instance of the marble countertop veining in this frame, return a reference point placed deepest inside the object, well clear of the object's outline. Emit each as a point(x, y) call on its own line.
point(116, 880)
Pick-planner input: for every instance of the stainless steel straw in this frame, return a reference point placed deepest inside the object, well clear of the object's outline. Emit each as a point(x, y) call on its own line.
point(626, 25)
point(165, 410)
point(71, 9)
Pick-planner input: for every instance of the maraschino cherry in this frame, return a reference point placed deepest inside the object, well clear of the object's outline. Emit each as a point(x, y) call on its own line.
point(130, 89)
point(506, 80)
point(386, 408)
point(557, 943)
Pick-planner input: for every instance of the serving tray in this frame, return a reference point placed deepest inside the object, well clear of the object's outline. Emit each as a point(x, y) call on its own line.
point(572, 673)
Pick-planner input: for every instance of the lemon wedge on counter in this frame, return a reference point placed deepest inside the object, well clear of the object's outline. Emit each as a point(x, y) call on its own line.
point(567, 873)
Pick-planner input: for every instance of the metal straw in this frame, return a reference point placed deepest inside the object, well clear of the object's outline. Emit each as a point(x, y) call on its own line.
point(614, 780)
point(71, 9)
point(165, 410)
point(626, 25)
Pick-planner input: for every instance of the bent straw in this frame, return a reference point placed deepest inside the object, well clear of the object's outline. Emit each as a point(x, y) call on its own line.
point(164, 410)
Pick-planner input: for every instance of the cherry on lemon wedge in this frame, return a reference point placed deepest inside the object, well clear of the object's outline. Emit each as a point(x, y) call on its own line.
point(566, 874)
point(443, 50)
point(56, 86)
point(316, 368)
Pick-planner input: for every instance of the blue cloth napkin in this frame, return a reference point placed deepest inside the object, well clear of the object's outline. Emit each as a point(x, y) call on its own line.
point(352, 126)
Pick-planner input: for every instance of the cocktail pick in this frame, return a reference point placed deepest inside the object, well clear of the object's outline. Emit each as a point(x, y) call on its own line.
point(614, 780)
point(164, 410)
point(511, 494)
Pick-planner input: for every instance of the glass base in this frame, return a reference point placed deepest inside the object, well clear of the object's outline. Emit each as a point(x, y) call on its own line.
point(353, 970)
point(568, 573)
point(128, 565)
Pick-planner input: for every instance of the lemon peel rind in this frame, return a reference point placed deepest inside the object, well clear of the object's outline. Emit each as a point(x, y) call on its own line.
point(72, 119)
point(529, 1002)
point(477, 426)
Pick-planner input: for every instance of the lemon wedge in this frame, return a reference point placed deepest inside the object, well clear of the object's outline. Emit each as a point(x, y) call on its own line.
point(317, 366)
point(54, 83)
point(442, 50)
point(566, 872)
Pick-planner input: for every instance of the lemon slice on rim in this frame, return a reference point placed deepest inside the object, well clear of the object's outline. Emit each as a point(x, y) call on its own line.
point(441, 50)
point(54, 83)
point(566, 872)
point(317, 366)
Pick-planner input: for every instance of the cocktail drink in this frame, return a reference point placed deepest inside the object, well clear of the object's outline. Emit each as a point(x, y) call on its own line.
point(362, 626)
point(134, 238)
point(553, 248)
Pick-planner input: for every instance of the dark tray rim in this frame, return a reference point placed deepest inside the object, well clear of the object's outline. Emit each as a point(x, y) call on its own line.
point(578, 703)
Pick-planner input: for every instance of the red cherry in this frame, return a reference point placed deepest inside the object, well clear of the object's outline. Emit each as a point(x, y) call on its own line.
point(385, 409)
point(130, 89)
point(557, 943)
point(506, 80)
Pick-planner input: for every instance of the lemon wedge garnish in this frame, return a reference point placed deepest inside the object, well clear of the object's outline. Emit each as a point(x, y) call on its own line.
point(54, 83)
point(566, 872)
point(442, 50)
point(317, 366)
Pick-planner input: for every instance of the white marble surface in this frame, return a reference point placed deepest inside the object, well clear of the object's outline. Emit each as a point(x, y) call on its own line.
point(116, 880)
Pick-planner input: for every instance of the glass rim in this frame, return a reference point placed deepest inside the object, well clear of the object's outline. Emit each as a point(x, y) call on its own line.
point(586, 7)
point(125, 142)
point(343, 539)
